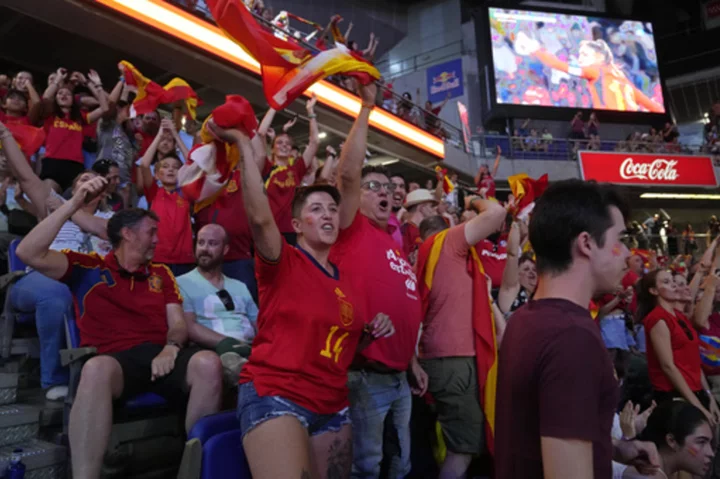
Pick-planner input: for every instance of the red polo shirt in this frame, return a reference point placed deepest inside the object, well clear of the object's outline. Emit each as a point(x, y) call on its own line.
point(411, 238)
point(280, 185)
point(493, 257)
point(489, 183)
point(117, 310)
point(379, 268)
point(14, 120)
point(228, 210)
point(175, 240)
point(309, 327)
point(64, 138)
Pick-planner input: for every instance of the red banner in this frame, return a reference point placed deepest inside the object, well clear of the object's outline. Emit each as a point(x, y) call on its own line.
point(648, 169)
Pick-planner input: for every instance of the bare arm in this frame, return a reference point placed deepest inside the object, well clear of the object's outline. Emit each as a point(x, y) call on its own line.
point(197, 333)
point(144, 175)
point(489, 219)
point(34, 249)
point(90, 223)
point(660, 338)
point(313, 140)
point(330, 164)
point(352, 157)
point(510, 286)
point(177, 329)
point(35, 188)
point(498, 155)
point(555, 453)
point(347, 32)
point(704, 307)
point(95, 85)
point(258, 141)
point(32, 94)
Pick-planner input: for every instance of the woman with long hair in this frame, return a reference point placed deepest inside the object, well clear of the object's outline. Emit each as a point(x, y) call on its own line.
point(673, 346)
point(683, 437)
point(689, 242)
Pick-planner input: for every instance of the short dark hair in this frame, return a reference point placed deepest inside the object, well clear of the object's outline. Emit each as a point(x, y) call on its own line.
point(16, 93)
point(398, 175)
point(102, 166)
point(304, 192)
point(431, 225)
point(171, 156)
point(563, 212)
point(370, 169)
point(126, 218)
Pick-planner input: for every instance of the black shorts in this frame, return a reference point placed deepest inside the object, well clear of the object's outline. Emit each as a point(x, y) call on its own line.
point(62, 172)
point(136, 364)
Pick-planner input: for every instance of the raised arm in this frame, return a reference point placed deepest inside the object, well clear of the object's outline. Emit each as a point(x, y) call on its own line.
point(704, 307)
point(330, 163)
point(489, 219)
point(496, 165)
point(510, 286)
point(265, 233)
point(34, 249)
point(258, 142)
point(352, 157)
point(36, 189)
point(313, 140)
point(144, 175)
point(95, 85)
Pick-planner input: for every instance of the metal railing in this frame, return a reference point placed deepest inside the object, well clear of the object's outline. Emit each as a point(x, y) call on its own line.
point(395, 69)
point(389, 100)
point(539, 148)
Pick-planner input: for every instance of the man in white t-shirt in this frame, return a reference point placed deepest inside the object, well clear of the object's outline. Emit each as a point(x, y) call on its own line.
point(219, 311)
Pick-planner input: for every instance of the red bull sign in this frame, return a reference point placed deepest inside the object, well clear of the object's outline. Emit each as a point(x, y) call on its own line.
point(445, 80)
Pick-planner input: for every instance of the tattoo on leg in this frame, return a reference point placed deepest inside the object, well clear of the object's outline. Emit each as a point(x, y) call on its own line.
point(339, 459)
point(304, 474)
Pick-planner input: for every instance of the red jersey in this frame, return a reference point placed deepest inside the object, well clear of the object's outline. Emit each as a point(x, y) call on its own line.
point(371, 257)
point(228, 210)
point(280, 185)
point(608, 86)
point(628, 280)
point(411, 238)
point(117, 310)
point(489, 183)
point(175, 240)
point(308, 330)
point(686, 351)
point(64, 138)
point(493, 257)
point(14, 120)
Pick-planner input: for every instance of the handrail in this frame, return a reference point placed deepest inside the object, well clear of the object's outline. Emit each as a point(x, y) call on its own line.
point(445, 129)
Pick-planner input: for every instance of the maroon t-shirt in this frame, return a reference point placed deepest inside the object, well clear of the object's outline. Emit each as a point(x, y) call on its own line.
point(555, 379)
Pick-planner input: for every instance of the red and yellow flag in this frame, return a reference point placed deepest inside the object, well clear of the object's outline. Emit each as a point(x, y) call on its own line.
point(526, 192)
point(448, 185)
point(150, 95)
point(211, 164)
point(288, 68)
point(486, 347)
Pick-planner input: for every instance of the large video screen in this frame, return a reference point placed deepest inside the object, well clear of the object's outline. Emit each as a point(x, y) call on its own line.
point(574, 61)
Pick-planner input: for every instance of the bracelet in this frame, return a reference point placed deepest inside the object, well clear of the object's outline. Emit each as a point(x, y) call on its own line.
point(312, 116)
point(368, 105)
point(624, 438)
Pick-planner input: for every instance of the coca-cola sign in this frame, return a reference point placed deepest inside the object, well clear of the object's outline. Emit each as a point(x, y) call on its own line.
point(661, 169)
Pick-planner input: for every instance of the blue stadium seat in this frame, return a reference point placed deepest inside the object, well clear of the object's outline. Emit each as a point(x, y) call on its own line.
point(213, 425)
point(224, 453)
point(15, 263)
point(11, 316)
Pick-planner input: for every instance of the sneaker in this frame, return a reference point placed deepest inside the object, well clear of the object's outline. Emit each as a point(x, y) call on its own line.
point(56, 393)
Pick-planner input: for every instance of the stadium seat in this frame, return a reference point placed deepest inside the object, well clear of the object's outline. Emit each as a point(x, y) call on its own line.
point(224, 453)
point(195, 456)
point(8, 346)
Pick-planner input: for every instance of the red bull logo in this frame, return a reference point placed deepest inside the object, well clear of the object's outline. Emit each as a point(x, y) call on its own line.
point(443, 82)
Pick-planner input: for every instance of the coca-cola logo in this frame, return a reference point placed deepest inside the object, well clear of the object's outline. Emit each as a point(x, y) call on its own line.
point(659, 170)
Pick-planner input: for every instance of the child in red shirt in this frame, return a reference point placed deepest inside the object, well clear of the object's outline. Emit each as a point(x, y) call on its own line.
point(175, 240)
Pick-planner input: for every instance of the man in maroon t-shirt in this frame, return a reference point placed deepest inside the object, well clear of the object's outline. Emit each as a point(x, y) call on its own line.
point(557, 392)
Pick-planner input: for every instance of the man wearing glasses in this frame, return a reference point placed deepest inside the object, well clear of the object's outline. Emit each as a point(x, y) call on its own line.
point(219, 311)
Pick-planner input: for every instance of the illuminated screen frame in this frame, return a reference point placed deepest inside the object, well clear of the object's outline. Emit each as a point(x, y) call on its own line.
point(493, 110)
point(201, 34)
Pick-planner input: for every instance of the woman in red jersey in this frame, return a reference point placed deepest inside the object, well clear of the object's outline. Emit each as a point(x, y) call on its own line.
point(293, 399)
point(673, 346)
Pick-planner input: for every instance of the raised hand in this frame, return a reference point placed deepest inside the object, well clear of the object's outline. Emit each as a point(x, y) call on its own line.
point(289, 124)
point(94, 78)
point(90, 190)
point(310, 104)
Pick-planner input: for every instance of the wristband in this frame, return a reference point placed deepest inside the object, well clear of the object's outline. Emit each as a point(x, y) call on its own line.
point(173, 343)
point(368, 105)
point(624, 438)
point(312, 116)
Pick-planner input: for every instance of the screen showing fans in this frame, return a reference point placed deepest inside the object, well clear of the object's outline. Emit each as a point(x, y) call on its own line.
point(574, 61)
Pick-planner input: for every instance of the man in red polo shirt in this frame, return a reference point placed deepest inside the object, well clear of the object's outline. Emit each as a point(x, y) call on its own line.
point(129, 309)
point(366, 252)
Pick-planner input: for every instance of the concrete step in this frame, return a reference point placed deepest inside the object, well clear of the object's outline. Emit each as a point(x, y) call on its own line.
point(51, 412)
point(42, 460)
point(18, 423)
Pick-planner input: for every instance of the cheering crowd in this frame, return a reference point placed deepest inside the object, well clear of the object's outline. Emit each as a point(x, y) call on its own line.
point(325, 295)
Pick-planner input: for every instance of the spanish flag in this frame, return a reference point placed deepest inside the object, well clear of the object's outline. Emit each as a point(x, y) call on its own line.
point(211, 164)
point(288, 68)
point(29, 138)
point(448, 185)
point(486, 347)
point(526, 192)
point(150, 95)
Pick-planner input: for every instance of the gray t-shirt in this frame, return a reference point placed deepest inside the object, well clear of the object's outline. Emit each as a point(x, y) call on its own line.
point(114, 144)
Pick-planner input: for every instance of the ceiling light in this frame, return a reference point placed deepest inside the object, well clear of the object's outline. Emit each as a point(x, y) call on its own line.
point(322, 135)
point(389, 162)
point(679, 196)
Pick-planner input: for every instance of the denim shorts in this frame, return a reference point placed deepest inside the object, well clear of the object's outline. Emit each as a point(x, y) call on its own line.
point(254, 410)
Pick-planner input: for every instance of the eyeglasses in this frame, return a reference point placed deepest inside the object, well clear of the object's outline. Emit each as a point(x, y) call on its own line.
point(686, 329)
point(226, 299)
point(376, 186)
